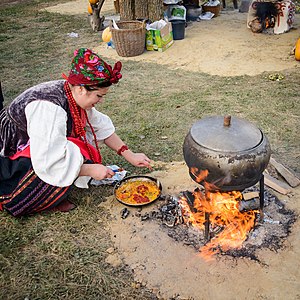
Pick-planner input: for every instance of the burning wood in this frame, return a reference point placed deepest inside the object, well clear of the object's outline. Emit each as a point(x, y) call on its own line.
point(231, 222)
point(249, 201)
point(225, 239)
point(266, 12)
point(226, 210)
point(265, 16)
point(247, 205)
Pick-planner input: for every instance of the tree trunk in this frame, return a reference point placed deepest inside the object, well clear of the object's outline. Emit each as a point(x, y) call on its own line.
point(96, 21)
point(141, 9)
point(155, 10)
point(127, 10)
point(117, 6)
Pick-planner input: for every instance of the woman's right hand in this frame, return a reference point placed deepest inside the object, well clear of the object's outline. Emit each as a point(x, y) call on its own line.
point(96, 171)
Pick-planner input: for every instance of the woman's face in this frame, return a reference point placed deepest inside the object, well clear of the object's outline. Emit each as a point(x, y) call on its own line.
point(87, 99)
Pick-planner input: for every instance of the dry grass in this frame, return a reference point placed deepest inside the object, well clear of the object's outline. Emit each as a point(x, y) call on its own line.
point(62, 256)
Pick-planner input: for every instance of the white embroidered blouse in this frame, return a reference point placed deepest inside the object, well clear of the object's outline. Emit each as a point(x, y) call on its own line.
point(56, 160)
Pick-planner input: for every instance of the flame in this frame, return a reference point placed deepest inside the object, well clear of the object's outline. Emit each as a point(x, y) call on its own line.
point(224, 214)
point(269, 22)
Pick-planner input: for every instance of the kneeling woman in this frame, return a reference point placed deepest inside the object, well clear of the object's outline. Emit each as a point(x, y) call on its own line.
point(49, 137)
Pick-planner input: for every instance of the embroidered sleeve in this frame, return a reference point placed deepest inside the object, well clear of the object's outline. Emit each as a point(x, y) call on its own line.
point(55, 160)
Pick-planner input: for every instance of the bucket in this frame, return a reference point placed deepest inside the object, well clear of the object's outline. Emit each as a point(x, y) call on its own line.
point(178, 28)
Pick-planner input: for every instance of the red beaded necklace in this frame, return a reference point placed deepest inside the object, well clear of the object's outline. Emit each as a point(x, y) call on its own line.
point(78, 127)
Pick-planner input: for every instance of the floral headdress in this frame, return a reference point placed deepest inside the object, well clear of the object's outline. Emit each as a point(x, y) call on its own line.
point(88, 68)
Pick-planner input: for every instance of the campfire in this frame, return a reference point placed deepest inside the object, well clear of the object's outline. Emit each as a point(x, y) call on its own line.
point(223, 215)
point(266, 14)
point(235, 226)
point(230, 212)
point(271, 16)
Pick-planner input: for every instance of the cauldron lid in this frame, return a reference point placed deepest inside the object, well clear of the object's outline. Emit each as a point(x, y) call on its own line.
point(239, 135)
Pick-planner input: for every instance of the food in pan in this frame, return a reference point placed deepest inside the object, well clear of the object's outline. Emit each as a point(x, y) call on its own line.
point(137, 192)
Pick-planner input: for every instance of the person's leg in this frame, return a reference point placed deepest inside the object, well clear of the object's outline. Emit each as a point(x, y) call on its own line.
point(27, 193)
point(11, 172)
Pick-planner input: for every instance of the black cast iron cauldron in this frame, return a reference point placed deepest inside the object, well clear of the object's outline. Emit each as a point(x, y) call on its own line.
point(234, 151)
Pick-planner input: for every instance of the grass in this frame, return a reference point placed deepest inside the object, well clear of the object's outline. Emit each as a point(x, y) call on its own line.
point(62, 256)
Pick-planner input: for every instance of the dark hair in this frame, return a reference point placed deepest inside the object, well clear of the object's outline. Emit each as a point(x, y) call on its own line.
point(97, 86)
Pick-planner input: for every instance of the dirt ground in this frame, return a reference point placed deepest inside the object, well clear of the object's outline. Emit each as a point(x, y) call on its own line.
point(222, 46)
point(172, 269)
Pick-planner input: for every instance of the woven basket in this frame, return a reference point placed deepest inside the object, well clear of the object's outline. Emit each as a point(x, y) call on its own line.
point(213, 9)
point(129, 39)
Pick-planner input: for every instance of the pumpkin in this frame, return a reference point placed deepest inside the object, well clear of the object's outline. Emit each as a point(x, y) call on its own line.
point(90, 9)
point(106, 35)
point(297, 50)
point(93, 1)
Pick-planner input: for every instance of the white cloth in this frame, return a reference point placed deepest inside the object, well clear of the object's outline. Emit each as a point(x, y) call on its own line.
point(56, 160)
point(285, 17)
point(101, 123)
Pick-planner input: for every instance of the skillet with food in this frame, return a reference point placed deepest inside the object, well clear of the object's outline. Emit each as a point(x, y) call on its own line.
point(137, 190)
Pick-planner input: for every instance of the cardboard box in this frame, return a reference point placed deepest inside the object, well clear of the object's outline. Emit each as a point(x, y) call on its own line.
point(159, 38)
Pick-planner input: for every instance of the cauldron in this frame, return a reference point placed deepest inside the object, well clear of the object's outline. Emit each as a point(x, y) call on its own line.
point(233, 151)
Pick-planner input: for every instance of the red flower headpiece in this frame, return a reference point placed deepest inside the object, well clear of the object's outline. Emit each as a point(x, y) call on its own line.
point(88, 68)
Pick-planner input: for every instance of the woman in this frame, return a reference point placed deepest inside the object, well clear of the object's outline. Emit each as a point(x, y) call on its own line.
point(49, 137)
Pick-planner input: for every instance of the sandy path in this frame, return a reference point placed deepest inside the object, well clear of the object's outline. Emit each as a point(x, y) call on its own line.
point(222, 46)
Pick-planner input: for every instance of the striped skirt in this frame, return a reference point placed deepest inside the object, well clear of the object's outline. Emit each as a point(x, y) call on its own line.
point(22, 192)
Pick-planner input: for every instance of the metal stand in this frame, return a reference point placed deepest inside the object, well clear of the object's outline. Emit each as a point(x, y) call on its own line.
point(261, 197)
point(207, 223)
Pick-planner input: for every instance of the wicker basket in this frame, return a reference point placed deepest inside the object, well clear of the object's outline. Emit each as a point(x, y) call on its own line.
point(129, 39)
point(213, 9)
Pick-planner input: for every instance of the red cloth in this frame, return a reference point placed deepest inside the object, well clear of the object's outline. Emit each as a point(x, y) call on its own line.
point(88, 68)
point(82, 146)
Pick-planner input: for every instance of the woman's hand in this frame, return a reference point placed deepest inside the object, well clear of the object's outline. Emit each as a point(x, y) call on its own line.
point(137, 159)
point(96, 171)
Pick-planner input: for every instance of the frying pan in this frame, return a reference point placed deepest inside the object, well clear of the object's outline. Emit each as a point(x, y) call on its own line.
point(135, 178)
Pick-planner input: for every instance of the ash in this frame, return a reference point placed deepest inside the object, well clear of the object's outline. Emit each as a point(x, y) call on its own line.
point(270, 231)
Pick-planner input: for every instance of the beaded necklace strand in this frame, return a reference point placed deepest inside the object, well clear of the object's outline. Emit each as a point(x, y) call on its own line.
point(77, 123)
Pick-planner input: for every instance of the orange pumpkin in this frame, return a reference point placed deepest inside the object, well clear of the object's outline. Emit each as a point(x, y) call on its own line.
point(93, 1)
point(297, 50)
point(106, 35)
point(90, 9)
